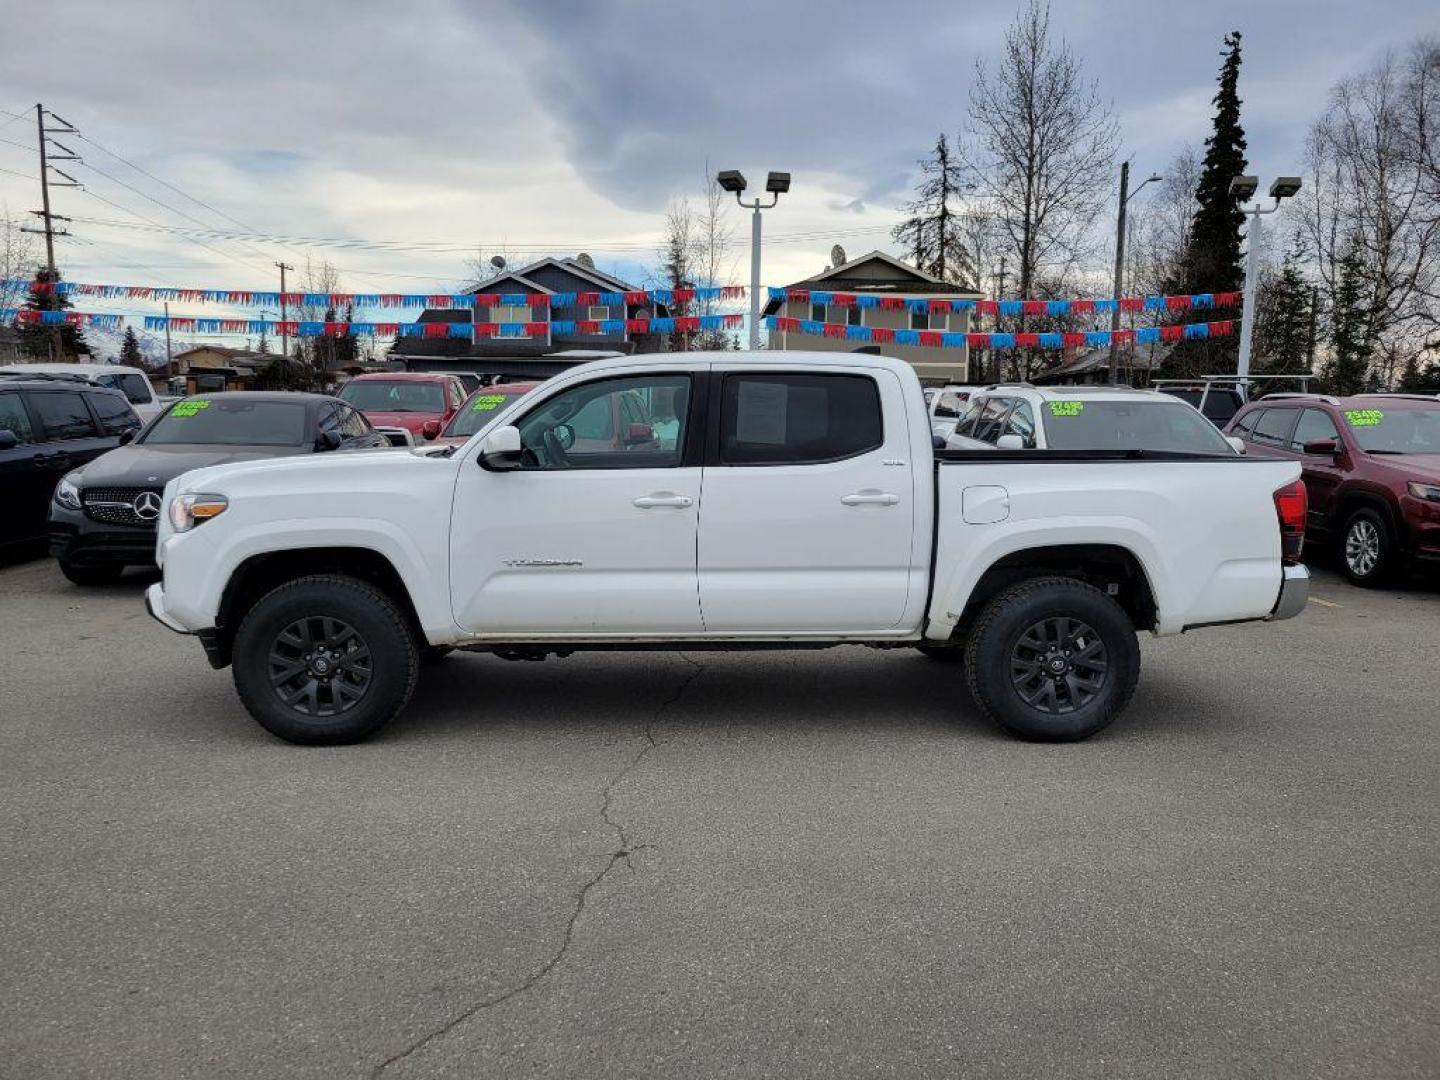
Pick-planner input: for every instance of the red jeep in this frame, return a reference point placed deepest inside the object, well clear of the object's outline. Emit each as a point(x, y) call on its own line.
point(421, 403)
point(1371, 468)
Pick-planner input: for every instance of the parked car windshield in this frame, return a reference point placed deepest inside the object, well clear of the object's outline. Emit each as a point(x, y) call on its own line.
point(480, 408)
point(1130, 425)
point(397, 395)
point(230, 422)
point(1387, 430)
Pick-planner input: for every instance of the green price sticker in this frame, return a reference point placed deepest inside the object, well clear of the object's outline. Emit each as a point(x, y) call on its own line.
point(189, 408)
point(488, 403)
point(1066, 408)
point(1364, 417)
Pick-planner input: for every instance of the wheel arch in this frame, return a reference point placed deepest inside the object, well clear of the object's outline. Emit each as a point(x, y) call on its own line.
point(259, 574)
point(1111, 568)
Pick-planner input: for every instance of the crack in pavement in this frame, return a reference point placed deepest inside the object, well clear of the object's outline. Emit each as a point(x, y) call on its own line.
point(621, 854)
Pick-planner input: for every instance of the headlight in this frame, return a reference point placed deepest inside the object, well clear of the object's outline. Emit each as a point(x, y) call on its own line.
point(187, 511)
point(1428, 492)
point(67, 492)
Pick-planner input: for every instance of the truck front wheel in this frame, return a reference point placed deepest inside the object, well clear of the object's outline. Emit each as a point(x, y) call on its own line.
point(1052, 659)
point(324, 660)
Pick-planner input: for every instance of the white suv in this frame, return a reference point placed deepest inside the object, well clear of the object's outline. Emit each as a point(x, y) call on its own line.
point(1020, 416)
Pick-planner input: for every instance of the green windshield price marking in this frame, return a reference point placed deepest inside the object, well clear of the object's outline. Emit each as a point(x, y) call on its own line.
point(488, 403)
point(1364, 417)
point(1066, 408)
point(189, 408)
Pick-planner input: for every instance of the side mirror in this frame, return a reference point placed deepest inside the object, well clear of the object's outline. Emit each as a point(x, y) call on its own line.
point(500, 449)
point(638, 434)
point(1236, 443)
point(1010, 442)
point(1322, 447)
point(127, 436)
point(938, 442)
point(8, 439)
point(430, 429)
point(328, 440)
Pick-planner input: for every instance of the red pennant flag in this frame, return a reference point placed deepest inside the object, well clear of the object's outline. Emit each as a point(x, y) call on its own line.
point(538, 300)
point(537, 329)
point(931, 337)
point(486, 329)
point(1132, 303)
point(1172, 333)
point(682, 296)
point(1123, 337)
point(842, 299)
point(835, 330)
point(1222, 329)
point(1082, 307)
point(1032, 307)
point(636, 326)
point(987, 307)
point(977, 341)
point(1073, 341)
point(636, 296)
point(587, 299)
point(882, 334)
point(797, 294)
point(730, 322)
point(587, 326)
point(1177, 303)
point(1027, 341)
point(687, 323)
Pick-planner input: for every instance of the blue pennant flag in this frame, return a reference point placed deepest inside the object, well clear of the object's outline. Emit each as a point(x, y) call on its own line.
point(907, 337)
point(662, 326)
point(1052, 341)
point(952, 341)
point(1154, 303)
point(1057, 307)
point(1011, 307)
point(562, 299)
point(716, 322)
point(611, 299)
point(1147, 335)
point(312, 329)
point(1197, 330)
point(1106, 305)
point(612, 326)
point(867, 301)
point(857, 333)
point(562, 327)
point(1002, 341)
point(1097, 339)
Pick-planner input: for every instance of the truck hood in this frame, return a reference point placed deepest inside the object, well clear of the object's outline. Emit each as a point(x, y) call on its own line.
point(150, 466)
point(410, 421)
point(321, 473)
point(1422, 467)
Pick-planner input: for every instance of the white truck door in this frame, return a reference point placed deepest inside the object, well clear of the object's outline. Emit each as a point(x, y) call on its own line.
point(595, 534)
point(809, 507)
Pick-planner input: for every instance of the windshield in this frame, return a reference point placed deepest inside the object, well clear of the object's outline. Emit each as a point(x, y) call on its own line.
point(480, 408)
point(230, 422)
point(1130, 425)
point(1388, 430)
point(382, 395)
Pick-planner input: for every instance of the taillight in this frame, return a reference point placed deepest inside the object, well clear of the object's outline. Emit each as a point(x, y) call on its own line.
point(1291, 503)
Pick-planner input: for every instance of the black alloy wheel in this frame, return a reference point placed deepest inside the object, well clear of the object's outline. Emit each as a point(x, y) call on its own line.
point(320, 666)
point(1059, 665)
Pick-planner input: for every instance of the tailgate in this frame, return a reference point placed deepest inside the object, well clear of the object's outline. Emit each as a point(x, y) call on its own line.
point(1205, 530)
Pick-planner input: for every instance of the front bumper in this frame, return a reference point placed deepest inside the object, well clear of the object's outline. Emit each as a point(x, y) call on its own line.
point(77, 539)
point(1294, 594)
point(155, 605)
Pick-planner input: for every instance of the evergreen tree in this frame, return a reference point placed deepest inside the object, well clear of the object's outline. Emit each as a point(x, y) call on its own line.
point(930, 233)
point(1349, 365)
point(58, 343)
point(345, 353)
point(1282, 318)
point(130, 349)
point(1213, 258)
point(1418, 380)
point(263, 348)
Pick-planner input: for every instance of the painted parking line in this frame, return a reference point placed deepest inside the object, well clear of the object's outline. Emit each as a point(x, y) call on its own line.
point(1323, 603)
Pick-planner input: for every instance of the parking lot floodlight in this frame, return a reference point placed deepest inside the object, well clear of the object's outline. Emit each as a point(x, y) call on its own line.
point(1284, 187)
point(731, 180)
point(778, 182)
point(1243, 188)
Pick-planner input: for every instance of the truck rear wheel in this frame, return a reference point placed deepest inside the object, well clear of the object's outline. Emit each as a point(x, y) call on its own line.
point(1052, 659)
point(324, 660)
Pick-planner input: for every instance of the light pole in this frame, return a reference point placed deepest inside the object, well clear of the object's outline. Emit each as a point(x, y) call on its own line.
point(1125, 196)
point(1242, 189)
point(776, 184)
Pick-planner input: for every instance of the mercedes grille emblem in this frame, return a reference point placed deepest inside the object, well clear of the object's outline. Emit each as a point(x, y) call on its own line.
point(147, 506)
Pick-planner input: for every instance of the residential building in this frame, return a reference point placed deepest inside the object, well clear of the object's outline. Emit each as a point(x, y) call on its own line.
point(882, 277)
point(537, 354)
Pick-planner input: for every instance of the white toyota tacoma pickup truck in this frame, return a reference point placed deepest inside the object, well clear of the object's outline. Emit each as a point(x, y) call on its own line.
point(719, 500)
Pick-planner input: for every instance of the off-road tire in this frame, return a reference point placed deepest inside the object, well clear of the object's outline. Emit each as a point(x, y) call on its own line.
point(991, 658)
point(373, 617)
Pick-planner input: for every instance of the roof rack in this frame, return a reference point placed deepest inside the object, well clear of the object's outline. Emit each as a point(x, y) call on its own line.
point(44, 376)
point(1402, 394)
point(1329, 399)
point(1005, 385)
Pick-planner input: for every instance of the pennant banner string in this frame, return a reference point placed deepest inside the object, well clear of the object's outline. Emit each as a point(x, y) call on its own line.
point(947, 340)
point(1053, 308)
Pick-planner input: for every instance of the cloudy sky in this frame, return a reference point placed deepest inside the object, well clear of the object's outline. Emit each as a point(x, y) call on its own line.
point(558, 126)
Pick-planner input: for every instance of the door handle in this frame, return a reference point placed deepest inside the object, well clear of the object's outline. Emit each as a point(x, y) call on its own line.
point(870, 498)
point(650, 502)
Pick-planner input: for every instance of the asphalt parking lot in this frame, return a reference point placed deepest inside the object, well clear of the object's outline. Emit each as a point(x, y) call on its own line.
point(788, 864)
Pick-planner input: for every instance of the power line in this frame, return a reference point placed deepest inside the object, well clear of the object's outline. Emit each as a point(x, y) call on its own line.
point(27, 176)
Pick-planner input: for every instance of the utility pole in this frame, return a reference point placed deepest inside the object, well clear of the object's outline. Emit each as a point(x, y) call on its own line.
point(45, 191)
point(44, 213)
point(1119, 275)
point(284, 329)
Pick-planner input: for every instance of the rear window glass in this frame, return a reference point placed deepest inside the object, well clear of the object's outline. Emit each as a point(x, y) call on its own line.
point(230, 422)
point(115, 413)
point(395, 395)
point(1130, 425)
point(481, 409)
point(136, 388)
point(798, 419)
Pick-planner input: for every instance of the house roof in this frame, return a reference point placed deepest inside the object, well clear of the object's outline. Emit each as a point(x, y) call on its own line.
point(851, 277)
point(222, 350)
point(517, 276)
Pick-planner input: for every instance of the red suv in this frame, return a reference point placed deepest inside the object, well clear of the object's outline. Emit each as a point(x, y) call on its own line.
point(418, 402)
point(1371, 468)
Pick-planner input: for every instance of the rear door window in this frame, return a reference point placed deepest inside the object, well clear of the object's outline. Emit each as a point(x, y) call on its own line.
point(798, 419)
point(1021, 422)
point(1273, 428)
point(990, 424)
point(62, 414)
point(136, 388)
